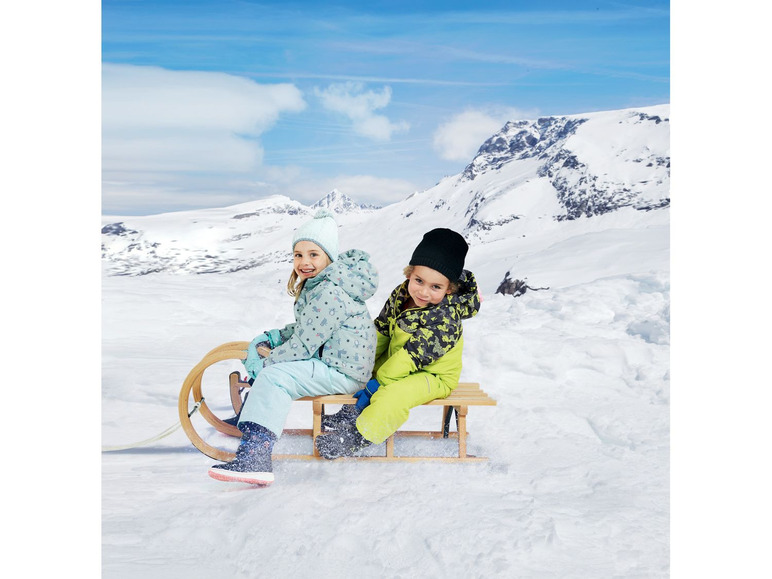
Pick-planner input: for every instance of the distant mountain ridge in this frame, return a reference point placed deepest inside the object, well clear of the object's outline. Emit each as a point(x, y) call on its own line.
point(338, 202)
point(222, 240)
point(525, 180)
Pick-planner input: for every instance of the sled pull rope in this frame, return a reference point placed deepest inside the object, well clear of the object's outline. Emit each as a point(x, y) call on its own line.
point(164, 434)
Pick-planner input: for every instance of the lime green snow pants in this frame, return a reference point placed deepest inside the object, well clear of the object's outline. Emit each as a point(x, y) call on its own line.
point(390, 406)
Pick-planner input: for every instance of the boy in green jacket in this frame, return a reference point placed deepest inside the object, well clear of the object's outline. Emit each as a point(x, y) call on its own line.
point(418, 353)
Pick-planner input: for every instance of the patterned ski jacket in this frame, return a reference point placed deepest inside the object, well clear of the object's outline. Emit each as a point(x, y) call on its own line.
point(332, 322)
point(428, 339)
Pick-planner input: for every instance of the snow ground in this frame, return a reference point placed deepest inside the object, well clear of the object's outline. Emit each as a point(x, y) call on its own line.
point(577, 482)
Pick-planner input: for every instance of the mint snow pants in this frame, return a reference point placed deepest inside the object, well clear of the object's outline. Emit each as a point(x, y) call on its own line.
point(390, 405)
point(277, 385)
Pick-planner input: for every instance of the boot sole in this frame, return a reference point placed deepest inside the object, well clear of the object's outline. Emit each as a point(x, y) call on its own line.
point(262, 479)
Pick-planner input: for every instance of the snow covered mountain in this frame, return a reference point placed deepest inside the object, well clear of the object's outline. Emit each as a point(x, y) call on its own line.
point(596, 163)
point(338, 202)
point(530, 186)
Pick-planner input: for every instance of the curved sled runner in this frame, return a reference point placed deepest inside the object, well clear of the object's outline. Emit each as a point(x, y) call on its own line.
point(192, 386)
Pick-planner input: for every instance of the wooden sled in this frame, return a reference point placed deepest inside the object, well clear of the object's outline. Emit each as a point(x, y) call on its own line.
point(465, 395)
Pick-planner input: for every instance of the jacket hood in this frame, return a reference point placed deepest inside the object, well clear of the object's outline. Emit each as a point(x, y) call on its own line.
point(466, 301)
point(353, 273)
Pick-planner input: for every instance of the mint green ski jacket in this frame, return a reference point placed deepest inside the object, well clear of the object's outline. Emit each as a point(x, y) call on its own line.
point(332, 322)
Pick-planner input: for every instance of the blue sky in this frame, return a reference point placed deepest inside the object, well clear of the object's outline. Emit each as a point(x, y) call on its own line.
point(212, 103)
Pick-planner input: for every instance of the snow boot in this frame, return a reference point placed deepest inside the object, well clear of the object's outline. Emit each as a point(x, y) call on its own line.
point(341, 443)
point(253, 458)
point(343, 419)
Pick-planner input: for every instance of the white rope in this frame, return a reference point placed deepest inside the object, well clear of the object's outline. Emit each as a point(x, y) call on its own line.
point(163, 434)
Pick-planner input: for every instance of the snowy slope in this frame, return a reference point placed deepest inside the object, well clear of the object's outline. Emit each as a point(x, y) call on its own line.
point(577, 484)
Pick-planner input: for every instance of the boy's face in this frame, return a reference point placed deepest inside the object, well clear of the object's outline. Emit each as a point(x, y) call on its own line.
point(427, 286)
point(309, 259)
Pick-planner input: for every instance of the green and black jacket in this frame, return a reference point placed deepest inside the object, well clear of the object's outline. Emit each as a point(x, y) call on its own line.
point(428, 339)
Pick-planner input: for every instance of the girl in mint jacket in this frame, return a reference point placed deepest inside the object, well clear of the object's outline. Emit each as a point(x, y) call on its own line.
point(419, 346)
point(329, 349)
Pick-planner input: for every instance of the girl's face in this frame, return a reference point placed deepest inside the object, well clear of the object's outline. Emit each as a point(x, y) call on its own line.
point(427, 286)
point(310, 259)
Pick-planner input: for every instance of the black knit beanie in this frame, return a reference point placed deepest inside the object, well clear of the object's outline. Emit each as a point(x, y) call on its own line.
point(443, 250)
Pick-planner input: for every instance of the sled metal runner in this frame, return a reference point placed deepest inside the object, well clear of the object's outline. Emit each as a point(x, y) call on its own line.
point(458, 402)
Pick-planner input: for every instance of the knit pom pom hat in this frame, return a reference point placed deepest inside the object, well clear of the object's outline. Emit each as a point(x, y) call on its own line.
point(321, 230)
point(444, 251)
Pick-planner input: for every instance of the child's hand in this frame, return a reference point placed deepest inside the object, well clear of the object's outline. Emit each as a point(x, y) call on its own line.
point(261, 340)
point(253, 362)
point(364, 395)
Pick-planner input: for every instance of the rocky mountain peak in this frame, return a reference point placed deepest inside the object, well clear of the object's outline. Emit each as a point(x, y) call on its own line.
point(338, 202)
point(633, 170)
point(521, 140)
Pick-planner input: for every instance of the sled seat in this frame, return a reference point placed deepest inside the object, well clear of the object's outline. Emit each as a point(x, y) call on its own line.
point(465, 395)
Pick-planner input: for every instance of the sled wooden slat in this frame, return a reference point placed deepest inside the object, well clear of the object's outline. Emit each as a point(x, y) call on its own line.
point(465, 395)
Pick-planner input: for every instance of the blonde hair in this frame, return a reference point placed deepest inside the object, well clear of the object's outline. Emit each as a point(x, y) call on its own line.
point(293, 286)
point(453, 286)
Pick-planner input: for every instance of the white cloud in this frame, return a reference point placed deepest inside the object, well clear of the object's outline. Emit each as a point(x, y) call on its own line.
point(351, 100)
point(306, 187)
point(460, 138)
point(377, 190)
point(155, 119)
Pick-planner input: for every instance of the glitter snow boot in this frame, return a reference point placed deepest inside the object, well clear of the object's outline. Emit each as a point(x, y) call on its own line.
point(343, 419)
point(253, 458)
point(341, 443)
